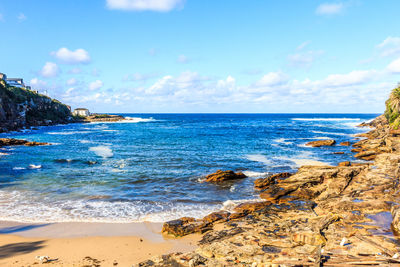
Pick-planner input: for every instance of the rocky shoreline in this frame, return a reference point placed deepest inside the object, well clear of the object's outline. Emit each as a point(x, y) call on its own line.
point(344, 215)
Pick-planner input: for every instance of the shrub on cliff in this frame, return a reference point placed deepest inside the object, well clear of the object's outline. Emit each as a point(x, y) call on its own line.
point(392, 111)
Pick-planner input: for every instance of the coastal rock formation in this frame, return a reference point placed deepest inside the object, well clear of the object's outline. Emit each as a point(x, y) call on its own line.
point(263, 183)
point(320, 143)
point(19, 142)
point(343, 215)
point(100, 118)
point(21, 108)
point(347, 143)
point(221, 176)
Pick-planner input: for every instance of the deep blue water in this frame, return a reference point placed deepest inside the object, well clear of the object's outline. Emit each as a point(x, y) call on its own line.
point(151, 167)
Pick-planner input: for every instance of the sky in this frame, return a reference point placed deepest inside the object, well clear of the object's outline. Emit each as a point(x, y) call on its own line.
point(195, 56)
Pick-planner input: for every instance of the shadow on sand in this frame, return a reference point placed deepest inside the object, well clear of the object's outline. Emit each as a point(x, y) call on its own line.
point(11, 250)
point(20, 228)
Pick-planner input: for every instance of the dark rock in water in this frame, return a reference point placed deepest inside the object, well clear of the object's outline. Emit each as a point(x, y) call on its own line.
point(320, 143)
point(220, 176)
point(263, 183)
point(347, 143)
point(338, 153)
point(344, 164)
point(19, 142)
point(185, 226)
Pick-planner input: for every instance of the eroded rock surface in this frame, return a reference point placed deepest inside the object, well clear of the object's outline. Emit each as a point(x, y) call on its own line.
point(320, 143)
point(319, 216)
point(221, 176)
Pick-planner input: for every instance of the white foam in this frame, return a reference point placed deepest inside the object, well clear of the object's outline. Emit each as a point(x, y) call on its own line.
point(102, 151)
point(33, 166)
point(325, 119)
point(230, 205)
point(68, 132)
point(283, 141)
point(27, 207)
point(128, 120)
point(255, 174)
point(258, 158)
point(19, 168)
point(331, 133)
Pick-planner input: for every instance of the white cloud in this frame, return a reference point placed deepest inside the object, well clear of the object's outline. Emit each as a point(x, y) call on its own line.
point(72, 57)
point(50, 69)
point(183, 59)
point(142, 5)
point(303, 45)
point(329, 9)
point(394, 66)
point(72, 81)
point(304, 59)
point(38, 84)
point(355, 77)
point(272, 79)
point(95, 85)
point(390, 46)
point(75, 71)
point(21, 17)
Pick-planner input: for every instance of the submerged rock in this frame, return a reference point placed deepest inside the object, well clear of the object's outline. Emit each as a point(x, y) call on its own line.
point(344, 164)
point(19, 142)
point(347, 143)
point(220, 176)
point(320, 143)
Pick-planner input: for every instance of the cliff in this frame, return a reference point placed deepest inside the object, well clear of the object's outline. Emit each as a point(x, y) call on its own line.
point(21, 108)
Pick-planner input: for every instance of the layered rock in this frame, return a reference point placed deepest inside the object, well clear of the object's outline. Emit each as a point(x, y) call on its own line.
point(221, 176)
point(320, 143)
point(332, 215)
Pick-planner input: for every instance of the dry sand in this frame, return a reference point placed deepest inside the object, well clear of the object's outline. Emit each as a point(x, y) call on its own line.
point(90, 244)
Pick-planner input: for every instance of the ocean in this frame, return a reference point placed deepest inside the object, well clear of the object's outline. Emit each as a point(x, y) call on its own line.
point(151, 167)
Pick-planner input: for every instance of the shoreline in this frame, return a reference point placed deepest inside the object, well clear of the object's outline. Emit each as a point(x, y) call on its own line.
point(81, 244)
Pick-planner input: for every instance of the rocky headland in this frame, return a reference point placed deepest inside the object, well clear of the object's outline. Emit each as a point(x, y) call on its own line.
point(100, 118)
point(23, 108)
point(346, 215)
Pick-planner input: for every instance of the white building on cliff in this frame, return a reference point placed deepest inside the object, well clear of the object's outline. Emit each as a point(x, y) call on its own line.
point(84, 112)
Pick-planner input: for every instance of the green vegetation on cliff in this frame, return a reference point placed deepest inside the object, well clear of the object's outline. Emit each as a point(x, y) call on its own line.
point(20, 107)
point(392, 112)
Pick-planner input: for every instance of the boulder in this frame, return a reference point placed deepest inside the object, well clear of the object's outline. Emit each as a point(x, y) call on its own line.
point(320, 143)
point(263, 183)
point(185, 226)
point(216, 216)
point(220, 176)
point(344, 164)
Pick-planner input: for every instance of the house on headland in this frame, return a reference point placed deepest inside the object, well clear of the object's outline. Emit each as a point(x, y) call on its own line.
point(84, 112)
point(3, 76)
point(17, 82)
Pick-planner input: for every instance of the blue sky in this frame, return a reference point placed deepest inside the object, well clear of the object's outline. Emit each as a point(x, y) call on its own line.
point(205, 55)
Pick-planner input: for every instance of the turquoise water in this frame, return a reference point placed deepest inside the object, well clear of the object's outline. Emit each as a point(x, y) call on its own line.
point(150, 167)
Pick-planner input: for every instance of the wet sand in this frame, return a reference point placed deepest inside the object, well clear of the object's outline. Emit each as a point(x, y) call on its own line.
point(78, 244)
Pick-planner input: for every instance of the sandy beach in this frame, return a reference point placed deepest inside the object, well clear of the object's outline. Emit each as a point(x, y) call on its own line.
point(86, 244)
